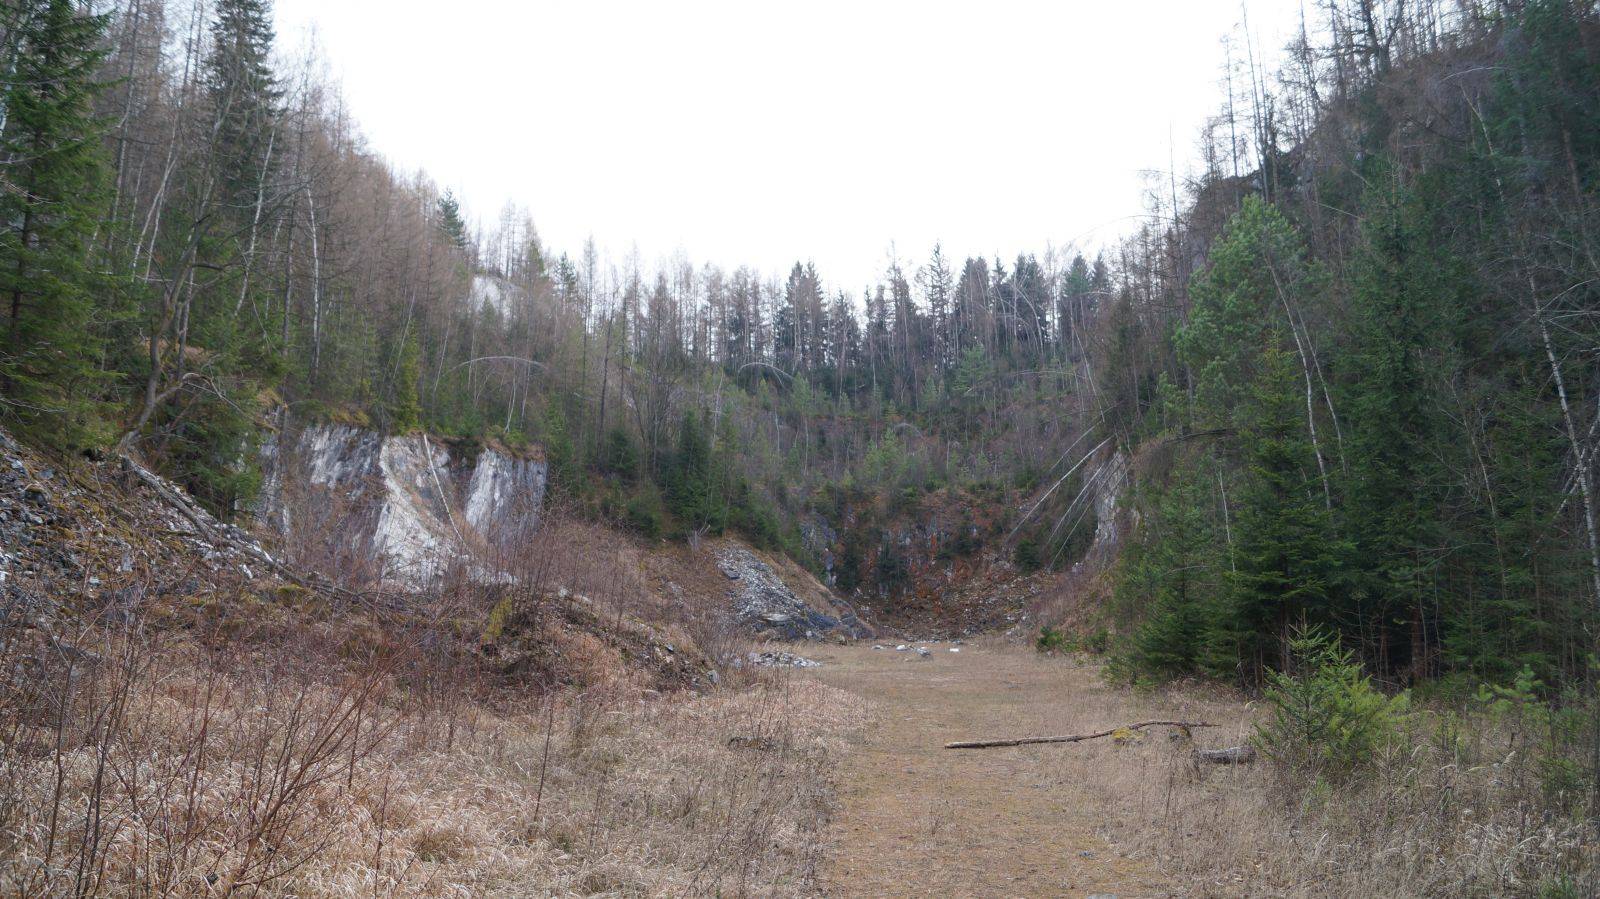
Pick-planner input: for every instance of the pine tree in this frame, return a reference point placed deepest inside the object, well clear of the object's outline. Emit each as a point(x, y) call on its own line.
point(54, 170)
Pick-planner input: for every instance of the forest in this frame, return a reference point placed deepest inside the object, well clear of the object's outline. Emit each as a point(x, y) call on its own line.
point(1353, 360)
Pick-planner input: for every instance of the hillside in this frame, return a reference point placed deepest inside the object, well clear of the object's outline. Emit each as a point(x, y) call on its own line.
point(356, 541)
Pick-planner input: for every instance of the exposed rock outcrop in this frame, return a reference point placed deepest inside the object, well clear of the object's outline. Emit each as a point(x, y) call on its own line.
point(763, 602)
point(410, 503)
point(1107, 480)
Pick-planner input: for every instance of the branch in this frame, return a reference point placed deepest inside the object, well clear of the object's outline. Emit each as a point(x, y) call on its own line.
point(499, 359)
point(1233, 755)
point(1074, 738)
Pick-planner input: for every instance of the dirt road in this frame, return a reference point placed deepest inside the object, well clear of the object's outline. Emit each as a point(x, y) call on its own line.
point(918, 819)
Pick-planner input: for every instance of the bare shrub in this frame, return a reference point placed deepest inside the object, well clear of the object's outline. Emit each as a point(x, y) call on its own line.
point(172, 770)
point(186, 772)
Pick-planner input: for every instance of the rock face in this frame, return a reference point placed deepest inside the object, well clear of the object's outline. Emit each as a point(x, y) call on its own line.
point(764, 603)
point(494, 293)
point(407, 502)
point(504, 494)
point(1108, 480)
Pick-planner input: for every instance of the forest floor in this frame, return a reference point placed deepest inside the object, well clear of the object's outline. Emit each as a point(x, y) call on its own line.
point(918, 819)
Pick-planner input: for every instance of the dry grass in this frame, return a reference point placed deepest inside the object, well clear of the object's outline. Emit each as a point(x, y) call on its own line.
point(183, 730)
point(1458, 807)
point(1446, 814)
point(179, 774)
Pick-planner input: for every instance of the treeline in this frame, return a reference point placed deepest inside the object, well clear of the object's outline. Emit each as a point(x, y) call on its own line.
point(1372, 410)
point(194, 237)
point(199, 240)
point(1353, 362)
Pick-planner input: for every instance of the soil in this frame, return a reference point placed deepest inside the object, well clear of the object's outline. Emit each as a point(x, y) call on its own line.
point(918, 819)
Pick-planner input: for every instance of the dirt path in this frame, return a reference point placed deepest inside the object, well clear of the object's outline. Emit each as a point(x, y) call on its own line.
point(921, 820)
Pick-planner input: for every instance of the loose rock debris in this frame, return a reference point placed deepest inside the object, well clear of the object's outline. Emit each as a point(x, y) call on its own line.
point(780, 659)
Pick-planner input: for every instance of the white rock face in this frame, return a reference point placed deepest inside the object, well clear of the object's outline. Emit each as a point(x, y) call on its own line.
point(496, 293)
point(412, 506)
point(1113, 478)
point(504, 493)
point(339, 455)
point(416, 529)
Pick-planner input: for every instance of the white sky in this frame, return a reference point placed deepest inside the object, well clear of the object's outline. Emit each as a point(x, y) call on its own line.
point(762, 132)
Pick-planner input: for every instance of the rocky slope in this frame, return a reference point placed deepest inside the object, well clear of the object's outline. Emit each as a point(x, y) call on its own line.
point(84, 545)
point(92, 530)
point(946, 565)
point(765, 603)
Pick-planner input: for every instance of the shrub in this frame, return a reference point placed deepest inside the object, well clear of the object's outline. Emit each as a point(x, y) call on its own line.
point(644, 514)
point(1052, 639)
point(1026, 556)
point(1327, 718)
point(619, 456)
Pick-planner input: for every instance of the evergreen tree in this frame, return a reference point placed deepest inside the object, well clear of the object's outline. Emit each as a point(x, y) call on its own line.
point(1400, 319)
point(619, 456)
point(690, 481)
point(1029, 297)
point(54, 169)
point(1239, 300)
point(1287, 553)
point(207, 437)
point(455, 229)
point(1172, 576)
point(405, 410)
point(244, 96)
point(1073, 305)
point(561, 452)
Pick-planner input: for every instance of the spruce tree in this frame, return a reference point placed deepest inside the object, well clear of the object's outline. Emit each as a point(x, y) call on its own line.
point(1257, 266)
point(54, 169)
point(405, 410)
point(688, 480)
point(1288, 556)
point(1401, 327)
point(207, 438)
point(1174, 573)
point(244, 97)
point(455, 229)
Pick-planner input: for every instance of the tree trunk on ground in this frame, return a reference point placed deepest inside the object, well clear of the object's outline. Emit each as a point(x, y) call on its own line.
point(1073, 738)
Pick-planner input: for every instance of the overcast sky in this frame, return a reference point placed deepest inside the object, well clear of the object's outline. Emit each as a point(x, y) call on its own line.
point(761, 133)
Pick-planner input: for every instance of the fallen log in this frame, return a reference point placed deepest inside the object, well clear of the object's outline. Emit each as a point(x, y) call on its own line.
point(177, 501)
point(1072, 738)
point(217, 534)
point(1233, 755)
